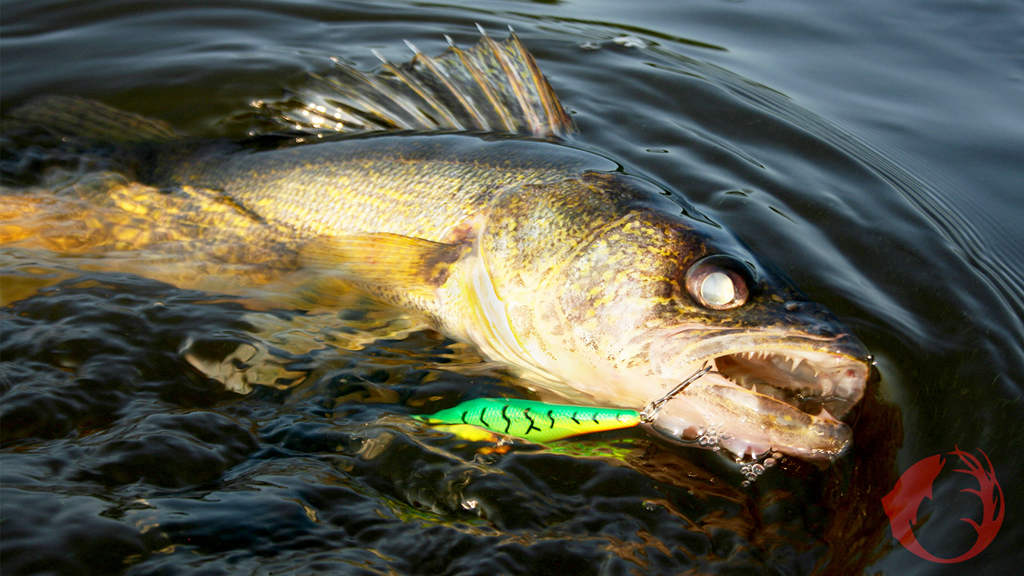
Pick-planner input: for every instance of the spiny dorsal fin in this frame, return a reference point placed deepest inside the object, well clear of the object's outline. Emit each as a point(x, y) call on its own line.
point(492, 87)
point(83, 118)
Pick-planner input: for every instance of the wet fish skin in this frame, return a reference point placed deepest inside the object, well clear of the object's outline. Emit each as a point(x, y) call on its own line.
point(566, 268)
point(419, 186)
point(590, 282)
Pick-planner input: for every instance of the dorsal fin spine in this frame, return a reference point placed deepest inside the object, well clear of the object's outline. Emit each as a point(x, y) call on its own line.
point(418, 89)
point(498, 107)
point(358, 98)
point(555, 113)
point(513, 74)
point(428, 62)
point(494, 86)
point(392, 97)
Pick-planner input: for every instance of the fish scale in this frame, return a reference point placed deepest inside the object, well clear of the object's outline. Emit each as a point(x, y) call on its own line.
point(380, 184)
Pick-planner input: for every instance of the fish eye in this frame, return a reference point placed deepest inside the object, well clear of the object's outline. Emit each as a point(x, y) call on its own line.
point(718, 282)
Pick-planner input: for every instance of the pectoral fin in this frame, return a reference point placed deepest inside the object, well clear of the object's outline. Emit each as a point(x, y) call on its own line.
point(398, 269)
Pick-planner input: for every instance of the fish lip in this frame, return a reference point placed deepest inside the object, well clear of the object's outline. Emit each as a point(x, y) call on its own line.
point(769, 391)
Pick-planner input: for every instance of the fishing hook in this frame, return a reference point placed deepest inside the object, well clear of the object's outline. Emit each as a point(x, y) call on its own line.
point(650, 411)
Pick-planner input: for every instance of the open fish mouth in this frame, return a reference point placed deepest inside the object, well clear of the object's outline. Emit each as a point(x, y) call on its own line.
point(774, 398)
point(814, 382)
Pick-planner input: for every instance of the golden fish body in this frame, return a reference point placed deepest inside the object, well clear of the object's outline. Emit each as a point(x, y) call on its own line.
point(591, 283)
point(425, 223)
point(515, 246)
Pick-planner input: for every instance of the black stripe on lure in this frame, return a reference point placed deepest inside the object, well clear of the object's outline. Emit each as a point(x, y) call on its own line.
point(541, 421)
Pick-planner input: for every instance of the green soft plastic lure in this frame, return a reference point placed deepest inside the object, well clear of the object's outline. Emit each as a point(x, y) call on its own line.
point(532, 420)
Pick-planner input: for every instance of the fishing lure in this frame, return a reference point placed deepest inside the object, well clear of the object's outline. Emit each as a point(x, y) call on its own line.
point(544, 422)
point(532, 420)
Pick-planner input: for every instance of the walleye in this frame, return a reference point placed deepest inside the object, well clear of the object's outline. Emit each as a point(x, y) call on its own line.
point(453, 193)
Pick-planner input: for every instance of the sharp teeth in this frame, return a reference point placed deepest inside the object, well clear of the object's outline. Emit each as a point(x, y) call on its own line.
point(828, 387)
point(805, 371)
point(782, 363)
point(824, 414)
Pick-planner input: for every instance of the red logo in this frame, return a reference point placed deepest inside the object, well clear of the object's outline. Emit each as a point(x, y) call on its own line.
point(902, 504)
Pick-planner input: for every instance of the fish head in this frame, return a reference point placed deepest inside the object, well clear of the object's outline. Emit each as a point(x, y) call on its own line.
point(618, 293)
point(782, 374)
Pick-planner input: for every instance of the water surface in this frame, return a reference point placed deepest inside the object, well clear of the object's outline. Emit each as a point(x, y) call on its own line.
point(871, 152)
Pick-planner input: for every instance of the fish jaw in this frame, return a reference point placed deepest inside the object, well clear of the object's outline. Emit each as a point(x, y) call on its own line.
point(766, 393)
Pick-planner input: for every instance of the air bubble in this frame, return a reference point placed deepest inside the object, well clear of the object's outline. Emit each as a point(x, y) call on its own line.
point(751, 472)
point(629, 41)
point(755, 469)
point(710, 438)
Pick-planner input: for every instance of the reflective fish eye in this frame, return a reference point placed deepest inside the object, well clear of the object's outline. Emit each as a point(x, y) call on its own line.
point(716, 282)
point(717, 289)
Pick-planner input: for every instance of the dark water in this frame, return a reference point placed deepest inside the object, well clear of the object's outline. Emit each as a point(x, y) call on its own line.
point(872, 151)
